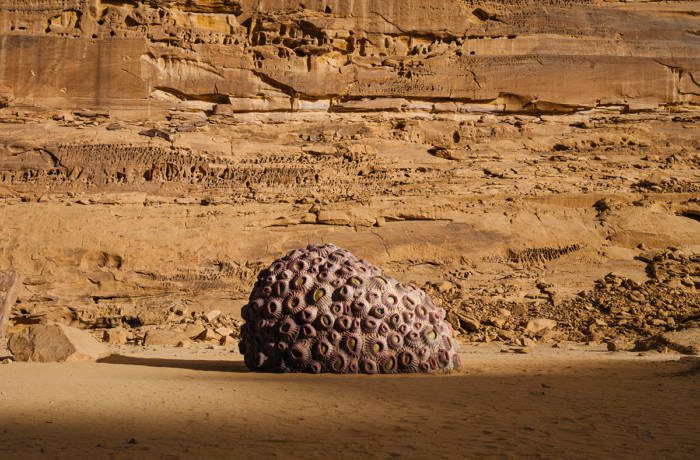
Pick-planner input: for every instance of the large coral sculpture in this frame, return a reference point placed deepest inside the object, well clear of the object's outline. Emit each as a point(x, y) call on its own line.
point(324, 310)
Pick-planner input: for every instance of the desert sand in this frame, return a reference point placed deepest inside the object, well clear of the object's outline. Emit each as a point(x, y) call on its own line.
point(568, 402)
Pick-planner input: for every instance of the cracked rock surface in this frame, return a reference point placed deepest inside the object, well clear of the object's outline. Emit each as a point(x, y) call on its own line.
point(516, 160)
point(275, 56)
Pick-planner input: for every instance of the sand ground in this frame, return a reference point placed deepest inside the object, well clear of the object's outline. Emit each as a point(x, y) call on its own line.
point(567, 402)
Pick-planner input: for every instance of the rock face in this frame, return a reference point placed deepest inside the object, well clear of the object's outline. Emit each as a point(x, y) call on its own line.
point(55, 343)
point(367, 55)
point(9, 286)
point(323, 310)
point(154, 155)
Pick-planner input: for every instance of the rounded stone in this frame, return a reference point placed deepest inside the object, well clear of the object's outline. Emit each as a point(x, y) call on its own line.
point(321, 309)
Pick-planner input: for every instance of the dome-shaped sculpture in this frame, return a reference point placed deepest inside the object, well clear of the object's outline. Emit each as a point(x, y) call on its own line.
point(321, 309)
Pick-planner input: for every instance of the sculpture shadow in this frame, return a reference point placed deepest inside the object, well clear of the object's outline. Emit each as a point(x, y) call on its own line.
point(192, 364)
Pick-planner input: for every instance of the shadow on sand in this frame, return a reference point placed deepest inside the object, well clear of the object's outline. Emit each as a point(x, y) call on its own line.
point(192, 364)
point(532, 409)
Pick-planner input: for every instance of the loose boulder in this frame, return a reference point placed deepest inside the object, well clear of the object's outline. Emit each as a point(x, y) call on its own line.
point(116, 336)
point(539, 325)
point(10, 282)
point(164, 337)
point(48, 343)
point(686, 341)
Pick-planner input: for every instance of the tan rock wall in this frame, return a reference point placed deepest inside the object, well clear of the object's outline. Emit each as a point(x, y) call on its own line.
point(512, 55)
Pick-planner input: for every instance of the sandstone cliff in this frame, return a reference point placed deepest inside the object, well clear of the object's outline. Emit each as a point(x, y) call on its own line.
point(442, 55)
point(154, 155)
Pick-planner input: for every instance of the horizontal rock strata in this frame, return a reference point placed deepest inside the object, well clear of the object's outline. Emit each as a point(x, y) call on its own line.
point(369, 55)
point(517, 160)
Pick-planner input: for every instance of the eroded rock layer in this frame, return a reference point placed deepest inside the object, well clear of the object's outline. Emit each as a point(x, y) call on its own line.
point(366, 55)
point(500, 218)
point(155, 156)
